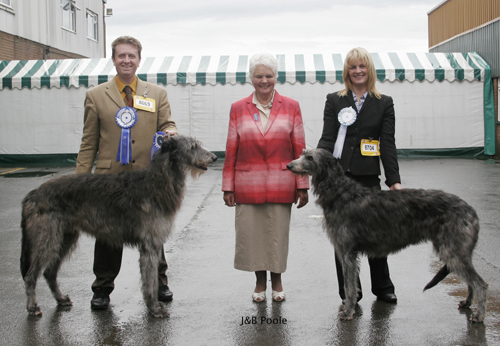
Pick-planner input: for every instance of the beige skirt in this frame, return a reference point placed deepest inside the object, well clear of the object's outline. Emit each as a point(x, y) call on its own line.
point(262, 232)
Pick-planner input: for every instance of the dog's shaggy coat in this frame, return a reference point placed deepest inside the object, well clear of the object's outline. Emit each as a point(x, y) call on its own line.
point(132, 208)
point(360, 220)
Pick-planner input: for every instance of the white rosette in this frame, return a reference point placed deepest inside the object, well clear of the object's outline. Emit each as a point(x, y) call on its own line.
point(347, 116)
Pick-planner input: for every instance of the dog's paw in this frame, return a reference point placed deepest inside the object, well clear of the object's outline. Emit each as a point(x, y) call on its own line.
point(347, 316)
point(476, 318)
point(463, 304)
point(160, 313)
point(35, 311)
point(65, 301)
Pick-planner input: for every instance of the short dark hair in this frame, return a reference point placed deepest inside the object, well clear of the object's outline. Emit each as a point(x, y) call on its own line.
point(129, 40)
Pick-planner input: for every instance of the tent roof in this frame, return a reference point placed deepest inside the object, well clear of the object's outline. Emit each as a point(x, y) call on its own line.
point(232, 69)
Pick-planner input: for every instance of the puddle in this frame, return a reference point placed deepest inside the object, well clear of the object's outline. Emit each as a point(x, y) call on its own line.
point(27, 174)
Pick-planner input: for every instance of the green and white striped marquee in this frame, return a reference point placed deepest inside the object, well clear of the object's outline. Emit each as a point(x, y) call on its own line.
point(232, 69)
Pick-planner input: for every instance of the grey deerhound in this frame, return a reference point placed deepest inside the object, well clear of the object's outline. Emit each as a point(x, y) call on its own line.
point(131, 208)
point(360, 220)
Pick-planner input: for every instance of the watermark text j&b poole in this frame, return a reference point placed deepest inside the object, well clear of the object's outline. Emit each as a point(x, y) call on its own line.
point(262, 320)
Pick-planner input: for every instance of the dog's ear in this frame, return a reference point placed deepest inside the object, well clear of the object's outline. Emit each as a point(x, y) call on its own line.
point(168, 145)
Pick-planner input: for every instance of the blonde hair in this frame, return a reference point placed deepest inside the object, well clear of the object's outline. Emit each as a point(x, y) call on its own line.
point(128, 40)
point(362, 55)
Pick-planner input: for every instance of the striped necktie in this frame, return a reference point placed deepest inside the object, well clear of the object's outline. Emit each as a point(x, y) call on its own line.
point(129, 100)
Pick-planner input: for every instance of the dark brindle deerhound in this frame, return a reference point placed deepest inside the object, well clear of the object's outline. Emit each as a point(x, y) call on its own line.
point(360, 220)
point(132, 208)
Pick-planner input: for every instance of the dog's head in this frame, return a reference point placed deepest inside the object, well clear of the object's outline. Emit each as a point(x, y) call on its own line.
point(312, 162)
point(187, 153)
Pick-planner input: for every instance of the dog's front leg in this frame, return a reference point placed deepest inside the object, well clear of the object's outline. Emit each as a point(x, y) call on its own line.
point(350, 270)
point(148, 261)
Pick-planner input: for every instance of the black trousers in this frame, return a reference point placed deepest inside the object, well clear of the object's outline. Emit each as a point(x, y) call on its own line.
point(107, 264)
point(379, 269)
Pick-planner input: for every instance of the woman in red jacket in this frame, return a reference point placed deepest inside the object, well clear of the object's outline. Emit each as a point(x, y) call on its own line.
point(265, 134)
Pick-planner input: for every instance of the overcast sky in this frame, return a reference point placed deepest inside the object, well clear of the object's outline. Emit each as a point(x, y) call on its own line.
point(226, 27)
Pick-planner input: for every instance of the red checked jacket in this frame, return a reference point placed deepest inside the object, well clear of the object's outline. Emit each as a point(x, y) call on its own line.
point(255, 163)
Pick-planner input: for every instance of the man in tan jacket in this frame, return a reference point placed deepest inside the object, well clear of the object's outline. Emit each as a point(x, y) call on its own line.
point(102, 137)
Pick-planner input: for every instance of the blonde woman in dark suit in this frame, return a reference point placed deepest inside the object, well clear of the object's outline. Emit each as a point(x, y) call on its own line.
point(358, 128)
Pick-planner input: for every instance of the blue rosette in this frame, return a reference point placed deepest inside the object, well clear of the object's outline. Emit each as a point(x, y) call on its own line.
point(158, 139)
point(126, 118)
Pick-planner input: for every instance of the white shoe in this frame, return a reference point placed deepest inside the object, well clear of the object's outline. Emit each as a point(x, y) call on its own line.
point(259, 297)
point(278, 296)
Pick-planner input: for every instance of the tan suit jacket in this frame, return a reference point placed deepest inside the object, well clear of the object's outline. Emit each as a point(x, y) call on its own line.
point(101, 134)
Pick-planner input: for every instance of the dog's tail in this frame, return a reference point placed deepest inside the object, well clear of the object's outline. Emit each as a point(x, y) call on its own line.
point(441, 274)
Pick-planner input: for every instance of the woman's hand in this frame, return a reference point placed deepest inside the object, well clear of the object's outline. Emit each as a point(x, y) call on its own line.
point(229, 198)
point(302, 197)
point(396, 186)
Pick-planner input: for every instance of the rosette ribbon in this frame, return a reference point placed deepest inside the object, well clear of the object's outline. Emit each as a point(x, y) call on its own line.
point(158, 139)
point(347, 116)
point(126, 117)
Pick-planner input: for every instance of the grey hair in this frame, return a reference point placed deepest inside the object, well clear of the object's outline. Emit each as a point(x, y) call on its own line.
point(264, 59)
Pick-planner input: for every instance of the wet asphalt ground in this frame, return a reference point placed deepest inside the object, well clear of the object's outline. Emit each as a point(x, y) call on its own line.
point(212, 301)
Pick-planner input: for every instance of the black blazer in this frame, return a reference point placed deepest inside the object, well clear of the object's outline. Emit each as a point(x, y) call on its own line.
point(374, 121)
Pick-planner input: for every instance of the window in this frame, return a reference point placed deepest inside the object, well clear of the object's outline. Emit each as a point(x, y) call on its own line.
point(68, 9)
point(92, 25)
point(6, 5)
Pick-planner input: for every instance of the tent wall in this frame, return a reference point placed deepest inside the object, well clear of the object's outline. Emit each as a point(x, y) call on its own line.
point(41, 121)
point(428, 115)
point(443, 101)
point(438, 115)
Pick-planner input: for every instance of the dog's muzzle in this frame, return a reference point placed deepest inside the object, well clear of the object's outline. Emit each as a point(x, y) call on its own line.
point(205, 167)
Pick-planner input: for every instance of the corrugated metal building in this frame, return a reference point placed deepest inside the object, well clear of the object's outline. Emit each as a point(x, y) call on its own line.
point(52, 29)
point(469, 26)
